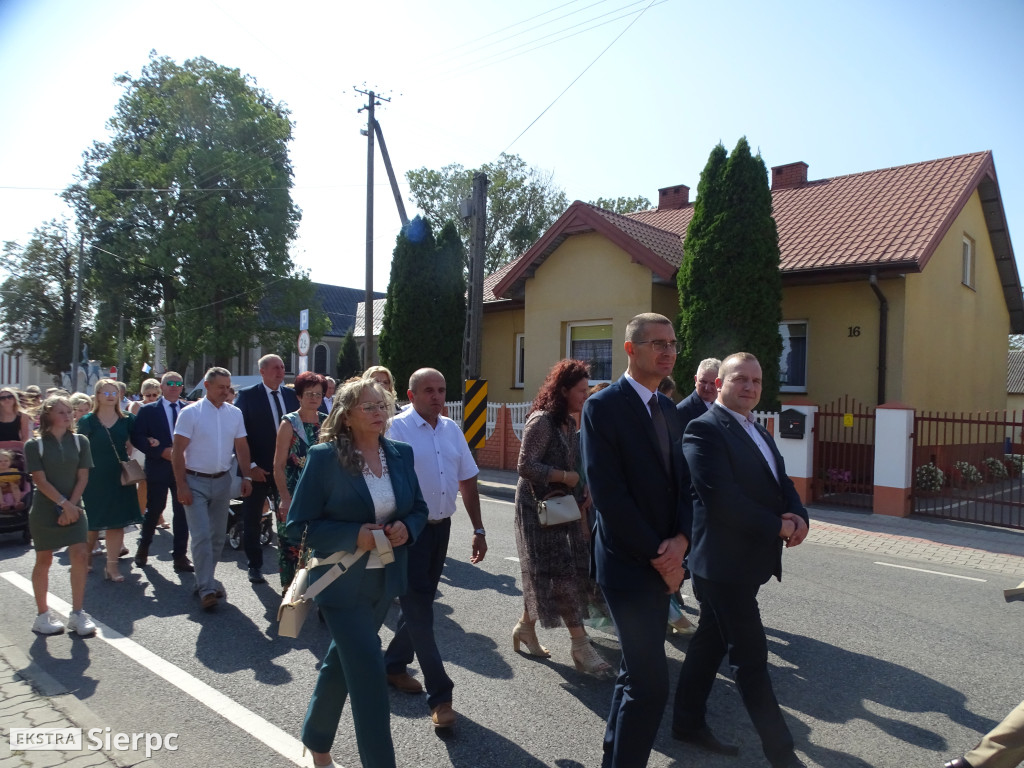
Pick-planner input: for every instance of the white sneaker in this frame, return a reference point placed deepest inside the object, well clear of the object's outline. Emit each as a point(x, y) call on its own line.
point(81, 623)
point(48, 623)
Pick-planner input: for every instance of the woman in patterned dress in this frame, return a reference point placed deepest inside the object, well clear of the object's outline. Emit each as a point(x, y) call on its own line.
point(299, 431)
point(555, 560)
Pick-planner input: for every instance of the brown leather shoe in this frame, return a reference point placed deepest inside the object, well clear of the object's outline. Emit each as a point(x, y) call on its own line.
point(443, 716)
point(210, 601)
point(405, 682)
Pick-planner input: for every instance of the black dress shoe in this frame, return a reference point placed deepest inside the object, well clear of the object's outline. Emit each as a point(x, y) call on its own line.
point(958, 763)
point(256, 577)
point(142, 556)
point(183, 565)
point(705, 739)
point(789, 761)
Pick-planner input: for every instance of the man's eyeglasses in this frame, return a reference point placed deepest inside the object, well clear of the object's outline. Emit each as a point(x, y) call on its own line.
point(371, 408)
point(675, 347)
point(311, 395)
point(174, 383)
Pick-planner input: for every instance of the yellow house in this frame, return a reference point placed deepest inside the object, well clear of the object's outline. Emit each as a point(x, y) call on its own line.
point(899, 285)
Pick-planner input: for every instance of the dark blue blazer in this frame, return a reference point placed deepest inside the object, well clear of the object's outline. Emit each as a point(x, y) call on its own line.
point(639, 503)
point(690, 408)
point(151, 421)
point(737, 501)
point(331, 504)
point(261, 433)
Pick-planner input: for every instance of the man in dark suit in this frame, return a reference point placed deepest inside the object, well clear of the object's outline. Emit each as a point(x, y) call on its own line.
point(704, 394)
point(262, 406)
point(153, 434)
point(631, 448)
point(744, 508)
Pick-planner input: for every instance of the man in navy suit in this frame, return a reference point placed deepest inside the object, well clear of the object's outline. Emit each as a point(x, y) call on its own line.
point(631, 448)
point(153, 434)
point(704, 394)
point(744, 508)
point(262, 406)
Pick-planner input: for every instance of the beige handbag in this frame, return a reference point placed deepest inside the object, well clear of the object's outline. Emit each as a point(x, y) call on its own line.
point(131, 471)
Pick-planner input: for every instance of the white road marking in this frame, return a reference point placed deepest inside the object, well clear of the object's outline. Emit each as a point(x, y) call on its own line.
point(500, 501)
point(285, 745)
point(937, 573)
point(513, 559)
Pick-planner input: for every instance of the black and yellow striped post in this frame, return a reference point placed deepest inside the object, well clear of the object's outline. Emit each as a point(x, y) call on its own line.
point(474, 413)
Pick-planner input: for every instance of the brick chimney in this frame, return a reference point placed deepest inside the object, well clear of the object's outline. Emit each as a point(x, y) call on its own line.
point(788, 176)
point(673, 198)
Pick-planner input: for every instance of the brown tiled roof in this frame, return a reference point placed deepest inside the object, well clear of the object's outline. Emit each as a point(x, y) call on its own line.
point(1015, 372)
point(887, 219)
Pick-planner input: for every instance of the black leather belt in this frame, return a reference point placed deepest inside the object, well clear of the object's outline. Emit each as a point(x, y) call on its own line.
point(205, 474)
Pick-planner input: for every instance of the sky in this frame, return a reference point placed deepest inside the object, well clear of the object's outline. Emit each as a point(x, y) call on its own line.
point(613, 97)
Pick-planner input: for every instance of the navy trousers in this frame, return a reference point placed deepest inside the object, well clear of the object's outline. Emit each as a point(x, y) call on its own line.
point(641, 689)
point(252, 516)
point(156, 502)
point(415, 630)
point(730, 623)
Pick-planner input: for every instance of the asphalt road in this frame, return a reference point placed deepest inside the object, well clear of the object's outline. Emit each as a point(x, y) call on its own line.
point(874, 665)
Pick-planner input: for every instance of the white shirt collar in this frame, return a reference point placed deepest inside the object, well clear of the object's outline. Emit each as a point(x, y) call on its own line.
point(644, 393)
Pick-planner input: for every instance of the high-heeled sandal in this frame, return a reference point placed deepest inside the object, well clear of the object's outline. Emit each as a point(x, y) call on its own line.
point(586, 658)
point(116, 576)
point(527, 633)
point(331, 764)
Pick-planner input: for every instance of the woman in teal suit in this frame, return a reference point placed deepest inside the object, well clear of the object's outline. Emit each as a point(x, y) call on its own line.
point(356, 481)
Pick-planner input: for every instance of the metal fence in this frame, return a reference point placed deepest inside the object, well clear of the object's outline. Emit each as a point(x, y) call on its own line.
point(844, 454)
point(966, 467)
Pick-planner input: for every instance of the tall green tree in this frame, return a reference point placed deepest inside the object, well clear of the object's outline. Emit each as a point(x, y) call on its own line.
point(349, 363)
point(37, 299)
point(623, 204)
point(730, 287)
point(189, 207)
point(425, 308)
point(522, 202)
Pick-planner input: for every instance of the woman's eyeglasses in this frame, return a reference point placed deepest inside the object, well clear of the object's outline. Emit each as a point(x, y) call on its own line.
point(313, 395)
point(6, 397)
point(108, 394)
point(371, 408)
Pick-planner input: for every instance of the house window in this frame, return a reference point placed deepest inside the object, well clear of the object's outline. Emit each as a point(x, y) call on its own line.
point(793, 363)
point(592, 343)
point(968, 262)
point(520, 360)
point(320, 359)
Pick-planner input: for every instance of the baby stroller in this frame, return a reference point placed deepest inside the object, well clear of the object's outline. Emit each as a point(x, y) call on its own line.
point(16, 492)
point(266, 522)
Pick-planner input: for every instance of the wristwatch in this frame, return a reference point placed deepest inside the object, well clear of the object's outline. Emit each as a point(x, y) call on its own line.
point(479, 532)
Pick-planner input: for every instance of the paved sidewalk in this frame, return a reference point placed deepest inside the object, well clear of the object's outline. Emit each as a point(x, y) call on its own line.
point(943, 542)
point(31, 698)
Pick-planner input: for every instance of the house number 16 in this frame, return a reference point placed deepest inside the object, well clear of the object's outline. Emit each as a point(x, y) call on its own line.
point(852, 330)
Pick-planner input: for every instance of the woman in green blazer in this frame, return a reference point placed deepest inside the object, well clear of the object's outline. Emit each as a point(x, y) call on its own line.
point(354, 482)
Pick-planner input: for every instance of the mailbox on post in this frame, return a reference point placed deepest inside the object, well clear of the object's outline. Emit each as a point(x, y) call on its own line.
point(793, 423)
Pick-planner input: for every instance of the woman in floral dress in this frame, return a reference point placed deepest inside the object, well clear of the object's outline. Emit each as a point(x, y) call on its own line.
point(299, 431)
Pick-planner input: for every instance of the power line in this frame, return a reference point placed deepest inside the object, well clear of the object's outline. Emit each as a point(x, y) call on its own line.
point(581, 74)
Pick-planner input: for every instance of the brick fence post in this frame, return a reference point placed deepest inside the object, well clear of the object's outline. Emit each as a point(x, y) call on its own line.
point(894, 453)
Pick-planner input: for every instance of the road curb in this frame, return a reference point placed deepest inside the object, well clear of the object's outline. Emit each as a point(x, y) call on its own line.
point(56, 695)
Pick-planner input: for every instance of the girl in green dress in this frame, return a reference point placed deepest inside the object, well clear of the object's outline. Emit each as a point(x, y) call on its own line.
point(59, 461)
point(111, 505)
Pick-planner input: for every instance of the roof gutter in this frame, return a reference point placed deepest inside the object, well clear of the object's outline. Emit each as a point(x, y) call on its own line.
point(883, 332)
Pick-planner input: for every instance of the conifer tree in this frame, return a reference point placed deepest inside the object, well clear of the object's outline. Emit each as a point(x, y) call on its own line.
point(349, 363)
point(730, 288)
point(449, 318)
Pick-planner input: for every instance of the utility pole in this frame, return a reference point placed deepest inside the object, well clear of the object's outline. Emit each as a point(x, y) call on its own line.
point(471, 361)
point(391, 174)
point(369, 132)
point(120, 350)
point(76, 334)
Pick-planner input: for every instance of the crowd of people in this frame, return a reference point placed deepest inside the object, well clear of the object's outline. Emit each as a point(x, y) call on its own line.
point(365, 496)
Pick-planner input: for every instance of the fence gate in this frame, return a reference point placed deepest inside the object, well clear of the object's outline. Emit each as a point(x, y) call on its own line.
point(844, 454)
point(967, 468)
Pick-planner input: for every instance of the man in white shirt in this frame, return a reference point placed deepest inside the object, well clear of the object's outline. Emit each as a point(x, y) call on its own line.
point(205, 437)
point(444, 467)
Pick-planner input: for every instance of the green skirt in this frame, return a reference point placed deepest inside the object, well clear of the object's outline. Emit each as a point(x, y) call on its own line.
point(46, 534)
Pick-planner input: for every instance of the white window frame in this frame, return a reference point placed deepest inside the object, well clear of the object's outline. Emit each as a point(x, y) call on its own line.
point(968, 255)
point(583, 323)
point(807, 346)
point(519, 365)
